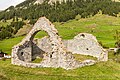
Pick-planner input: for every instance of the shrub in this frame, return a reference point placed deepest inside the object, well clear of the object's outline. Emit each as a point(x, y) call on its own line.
point(118, 51)
point(78, 17)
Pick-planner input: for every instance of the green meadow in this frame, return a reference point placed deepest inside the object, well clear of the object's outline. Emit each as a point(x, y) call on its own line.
point(109, 70)
point(102, 26)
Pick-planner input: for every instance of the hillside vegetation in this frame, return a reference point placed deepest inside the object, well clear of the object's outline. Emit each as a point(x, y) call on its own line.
point(60, 12)
point(102, 26)
point(57, 12)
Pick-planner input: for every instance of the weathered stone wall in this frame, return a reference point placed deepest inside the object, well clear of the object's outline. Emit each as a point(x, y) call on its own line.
point(86, 44)
point(83, 43)
point(51, 49)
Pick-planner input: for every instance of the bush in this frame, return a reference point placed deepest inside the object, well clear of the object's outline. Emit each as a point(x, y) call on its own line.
point(78, 17)
point(118, 51)
point(102, 44)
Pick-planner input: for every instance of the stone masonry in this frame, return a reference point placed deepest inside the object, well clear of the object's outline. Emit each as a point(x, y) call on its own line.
point(53, 50)
point(83, 43)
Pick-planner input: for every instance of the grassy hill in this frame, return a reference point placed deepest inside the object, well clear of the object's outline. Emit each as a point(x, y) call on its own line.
point(102, 26)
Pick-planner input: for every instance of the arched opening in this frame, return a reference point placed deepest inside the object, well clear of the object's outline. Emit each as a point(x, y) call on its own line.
point(82, 35)
point(38, 34)
point(22, 53)
point(87, 48)
point(39, 42)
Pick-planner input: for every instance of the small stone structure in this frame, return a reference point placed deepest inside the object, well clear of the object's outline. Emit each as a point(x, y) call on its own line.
point(55, 52)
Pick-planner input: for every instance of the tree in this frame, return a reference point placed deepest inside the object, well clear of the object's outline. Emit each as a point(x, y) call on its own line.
point(117, 44)
point(117, 37)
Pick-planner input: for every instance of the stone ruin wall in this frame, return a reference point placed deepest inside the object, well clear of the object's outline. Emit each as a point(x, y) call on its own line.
point(86, 44)
point(52, 49)
point(83, 43)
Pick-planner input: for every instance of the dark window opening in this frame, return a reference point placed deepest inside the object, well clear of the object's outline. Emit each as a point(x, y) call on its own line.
point(87, 49)
point(22, 53)
point(82, 35)
point(51, 56)
point(52, 44)
point(52, 52)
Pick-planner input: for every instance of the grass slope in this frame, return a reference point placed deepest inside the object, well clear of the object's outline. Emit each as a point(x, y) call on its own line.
point(102, 26)
point(101, 71)
point(109, 70)
point(6, 45)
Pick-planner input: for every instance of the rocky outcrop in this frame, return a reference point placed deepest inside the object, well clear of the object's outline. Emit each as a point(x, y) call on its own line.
point(54, 1)
point(26, 51)
point(50, 1)
point(39, 1)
